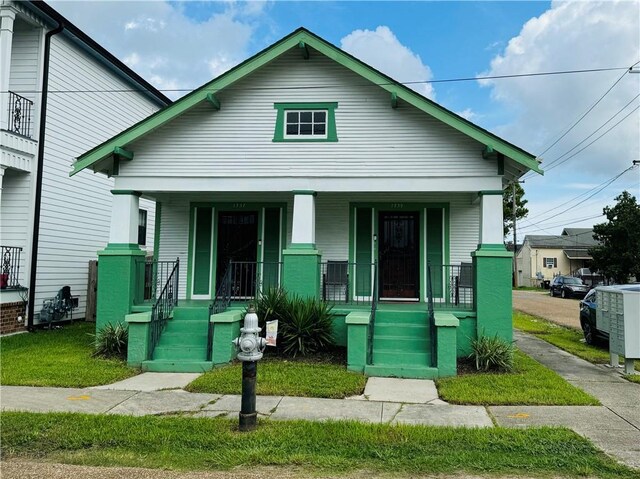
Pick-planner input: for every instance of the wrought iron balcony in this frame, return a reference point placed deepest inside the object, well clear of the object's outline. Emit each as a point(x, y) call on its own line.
point(20, 111)
point(10, 267)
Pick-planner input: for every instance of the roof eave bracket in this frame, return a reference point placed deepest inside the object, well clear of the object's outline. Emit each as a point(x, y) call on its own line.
point(305, 50)
point(122, 154)
point(394, 100)
point(211, 98)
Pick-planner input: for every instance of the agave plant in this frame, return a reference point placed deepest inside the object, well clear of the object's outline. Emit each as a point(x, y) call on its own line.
point(492, 353)
point(111, 341)
point(306, 327)
point(271, 305)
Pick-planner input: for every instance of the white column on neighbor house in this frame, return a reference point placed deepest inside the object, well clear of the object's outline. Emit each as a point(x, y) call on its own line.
point(491, 224)
point(304, 218)
point(2, 168)
point(124, 217)
point(7, 17)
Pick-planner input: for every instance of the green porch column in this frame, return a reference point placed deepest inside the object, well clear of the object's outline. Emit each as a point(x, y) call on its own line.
point(118, 274)
point(139, 338)
point(357, 339)
point(446, 347)
point(226, 327)
point(301, 268)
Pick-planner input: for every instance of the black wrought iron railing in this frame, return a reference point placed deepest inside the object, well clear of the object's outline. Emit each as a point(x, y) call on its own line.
point(154, 274)
point(342, 282)
point(431, 316)
point(452, 286)
point(372, 320)
point(20, 109)
point(10, 267)
point(163, 306)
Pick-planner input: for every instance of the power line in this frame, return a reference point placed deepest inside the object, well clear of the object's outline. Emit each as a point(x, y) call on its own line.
point(564, 223)
point(316, 87)
point(589, 109)
point(553, 163)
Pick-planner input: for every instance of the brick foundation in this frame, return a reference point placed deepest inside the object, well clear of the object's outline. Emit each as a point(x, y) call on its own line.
point(9, 313)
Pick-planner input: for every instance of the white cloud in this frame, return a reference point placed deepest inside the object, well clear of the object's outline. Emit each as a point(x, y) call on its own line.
point(468, 114)
point(573, 35)
point(382, 50)
point(163, 44)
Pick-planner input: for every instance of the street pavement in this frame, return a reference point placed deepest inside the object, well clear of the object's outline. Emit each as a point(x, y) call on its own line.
point(565, 312)
point(613, 427)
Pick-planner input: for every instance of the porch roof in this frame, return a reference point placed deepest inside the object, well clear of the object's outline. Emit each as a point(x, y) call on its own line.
point(301, 38)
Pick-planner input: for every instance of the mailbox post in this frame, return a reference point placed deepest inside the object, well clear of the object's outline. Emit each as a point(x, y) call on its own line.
point(250, 347)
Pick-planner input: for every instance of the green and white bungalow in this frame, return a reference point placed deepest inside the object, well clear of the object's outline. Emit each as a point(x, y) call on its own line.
point(306, 168)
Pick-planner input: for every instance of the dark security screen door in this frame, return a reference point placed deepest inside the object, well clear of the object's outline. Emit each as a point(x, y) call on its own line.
point(399, 254)
point(238, 242)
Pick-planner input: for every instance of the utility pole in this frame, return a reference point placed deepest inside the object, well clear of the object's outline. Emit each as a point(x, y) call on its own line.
point(515, 243)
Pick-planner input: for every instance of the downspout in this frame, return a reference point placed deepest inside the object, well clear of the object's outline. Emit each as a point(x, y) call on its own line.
point(39, 173)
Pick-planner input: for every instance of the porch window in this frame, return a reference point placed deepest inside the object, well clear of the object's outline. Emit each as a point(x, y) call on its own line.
point(142, 227)
point(305, 122)
point(550, 262)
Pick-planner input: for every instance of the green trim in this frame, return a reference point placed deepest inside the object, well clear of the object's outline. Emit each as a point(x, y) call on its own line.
point(332, 134)
point(446, 319)
point(394, 100)
point(192, 213)
point(500, 164)
point(156, 231)
point(138, 317)
point(492, 250)
point(122, 153)
point(306, 246)
point(304, 252)
point(126, 192)
point(358, 317)
point(230, 316)
point(115, 249)
point(305, 51)
point(304, 192)
point(158, 119)
point(211, 98)
point(492, 247)
point(488, 153)
point(490, 193)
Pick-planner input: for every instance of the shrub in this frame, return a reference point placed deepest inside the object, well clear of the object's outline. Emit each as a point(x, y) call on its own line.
point(305, 327)
point(271, 305)
point(492, 354)
point(111, 341)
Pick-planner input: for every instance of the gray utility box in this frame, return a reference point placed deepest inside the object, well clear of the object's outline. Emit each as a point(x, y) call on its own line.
point(618, 313)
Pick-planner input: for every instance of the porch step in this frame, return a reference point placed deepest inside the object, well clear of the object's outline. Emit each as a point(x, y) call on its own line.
point(400, 330)
point(180, 352)
point(185, 326)
point(404, 371)
point(185, 313)
point(180, 338)
point(407, 317)
point(401, 358)
point(416, 343)
point(170, 366)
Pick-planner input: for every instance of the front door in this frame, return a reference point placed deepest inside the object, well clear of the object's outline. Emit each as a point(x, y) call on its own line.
point(399, 255)
point(238, 242)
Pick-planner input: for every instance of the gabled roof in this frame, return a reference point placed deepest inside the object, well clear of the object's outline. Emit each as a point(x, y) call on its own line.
point(577, 232)
point(303, 38)
point(581, 241)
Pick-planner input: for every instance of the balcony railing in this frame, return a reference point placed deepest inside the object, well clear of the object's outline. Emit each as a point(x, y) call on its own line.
point(10, 267)
point(452, 286)
point(20, 110)
point(342, 282)
point(155, 274)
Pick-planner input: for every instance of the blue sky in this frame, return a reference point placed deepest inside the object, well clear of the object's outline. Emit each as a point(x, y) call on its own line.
point(184, 44)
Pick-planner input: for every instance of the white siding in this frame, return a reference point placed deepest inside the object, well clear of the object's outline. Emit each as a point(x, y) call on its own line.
point(332, 222)
point(374, 139)
point(75, 214)
point(25, 61)
point(14, 214)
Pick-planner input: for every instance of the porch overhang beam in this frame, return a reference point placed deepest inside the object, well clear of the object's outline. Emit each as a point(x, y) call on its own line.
point(394, 100)
point(215, 102)
point(304, 49)
point(122, 154)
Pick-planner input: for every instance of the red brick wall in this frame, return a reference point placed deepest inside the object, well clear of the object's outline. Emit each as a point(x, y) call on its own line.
point(9, 313)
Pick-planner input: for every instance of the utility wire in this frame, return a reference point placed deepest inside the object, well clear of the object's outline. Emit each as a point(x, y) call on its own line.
point(553, 163)
point(314, 87)
point(588, 110)
point(563, 223)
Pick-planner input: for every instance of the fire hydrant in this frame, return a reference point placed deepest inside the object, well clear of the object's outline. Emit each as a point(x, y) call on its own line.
point(250, 347)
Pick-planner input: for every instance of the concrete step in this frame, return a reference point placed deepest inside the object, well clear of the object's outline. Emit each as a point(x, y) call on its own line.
point(401, 371)
point(186, 326)
point(402, 343)
point(401, 317)
point(396, 358)
point(180, 352)
point(177, 339)
point(401, 330)
point(190, 314)
point(169, 366)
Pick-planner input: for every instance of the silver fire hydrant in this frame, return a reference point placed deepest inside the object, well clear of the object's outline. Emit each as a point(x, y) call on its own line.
point(250, 347)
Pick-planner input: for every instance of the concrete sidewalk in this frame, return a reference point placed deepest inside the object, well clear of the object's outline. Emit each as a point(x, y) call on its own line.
point(613, 427)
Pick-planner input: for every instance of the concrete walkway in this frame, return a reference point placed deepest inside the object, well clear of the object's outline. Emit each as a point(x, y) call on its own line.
point(613, 427)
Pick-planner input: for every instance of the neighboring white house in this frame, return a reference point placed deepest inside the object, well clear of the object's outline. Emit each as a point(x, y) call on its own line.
point(90, 96)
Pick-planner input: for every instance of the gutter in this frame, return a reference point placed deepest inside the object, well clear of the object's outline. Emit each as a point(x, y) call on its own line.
point(39, 172)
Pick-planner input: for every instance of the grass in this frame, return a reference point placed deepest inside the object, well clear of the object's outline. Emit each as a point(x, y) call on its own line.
point(57, 357)
point(529, 288)
point(184, 443)
point(321, 378)
point(531, 383)
point(568, 339)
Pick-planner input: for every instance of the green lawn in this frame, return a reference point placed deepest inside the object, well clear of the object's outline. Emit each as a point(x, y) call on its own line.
point(58, 357)
point(281, 377)
point(183, 443)
point(568, 339)
point(530, 384)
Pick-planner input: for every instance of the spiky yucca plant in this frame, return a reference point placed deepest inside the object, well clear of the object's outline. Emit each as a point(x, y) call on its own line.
point(111, 341)
point(492, 353)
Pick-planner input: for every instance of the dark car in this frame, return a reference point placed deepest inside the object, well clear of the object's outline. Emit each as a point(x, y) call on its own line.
point(568, 287)
point(588, 319)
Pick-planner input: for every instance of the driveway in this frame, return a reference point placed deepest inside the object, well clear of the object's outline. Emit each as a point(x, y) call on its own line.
point(565, 312)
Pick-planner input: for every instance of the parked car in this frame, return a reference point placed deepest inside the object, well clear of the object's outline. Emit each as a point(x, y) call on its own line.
point(568, 287)
point(588, 319)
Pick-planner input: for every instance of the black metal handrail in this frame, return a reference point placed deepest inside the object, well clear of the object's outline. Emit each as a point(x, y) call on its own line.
point(372, 319)
point(155, 274)
point(348, 283)
point(452, 286)
point(163, 307)
point(432, 316)
point(19, 114)
point(10, 267)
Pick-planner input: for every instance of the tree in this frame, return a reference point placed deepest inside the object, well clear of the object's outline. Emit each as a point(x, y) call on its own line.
point(507, 207)
point(618, 255)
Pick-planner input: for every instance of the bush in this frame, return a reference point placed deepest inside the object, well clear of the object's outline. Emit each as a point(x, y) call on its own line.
point(271, 305)
point(111, 341)
point(492, 354)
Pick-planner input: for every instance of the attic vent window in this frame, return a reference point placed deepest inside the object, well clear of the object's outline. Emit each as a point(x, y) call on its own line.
point(305, 122)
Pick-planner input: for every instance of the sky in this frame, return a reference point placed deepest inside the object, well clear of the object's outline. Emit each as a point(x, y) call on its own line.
point(178, 46)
